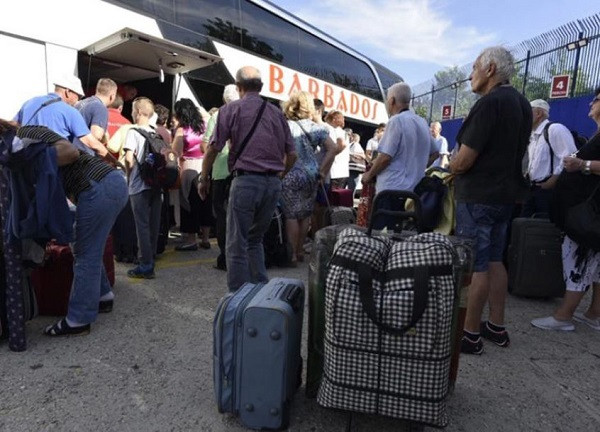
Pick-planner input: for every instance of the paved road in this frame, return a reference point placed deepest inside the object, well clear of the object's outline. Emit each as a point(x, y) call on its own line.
point(147, 366)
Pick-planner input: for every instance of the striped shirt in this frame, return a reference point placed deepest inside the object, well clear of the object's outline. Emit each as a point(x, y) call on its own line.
point(76, 177)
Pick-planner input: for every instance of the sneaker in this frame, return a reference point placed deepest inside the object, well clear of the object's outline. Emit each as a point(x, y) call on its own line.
point(141, 272)
point(467, 346)
point(551, 323)
point(593, 323)
point(499, 338)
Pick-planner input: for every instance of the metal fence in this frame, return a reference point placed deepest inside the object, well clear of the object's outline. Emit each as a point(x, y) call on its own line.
point(572, 49)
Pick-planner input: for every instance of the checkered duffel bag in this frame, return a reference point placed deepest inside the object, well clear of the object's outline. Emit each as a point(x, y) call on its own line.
point(388, 317)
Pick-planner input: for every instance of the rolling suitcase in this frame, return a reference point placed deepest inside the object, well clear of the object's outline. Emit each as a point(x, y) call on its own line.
point(341, 197)
point(256, 351)
point(52, 282)
point(336, 214)
point(535, 259)
point(389, 308)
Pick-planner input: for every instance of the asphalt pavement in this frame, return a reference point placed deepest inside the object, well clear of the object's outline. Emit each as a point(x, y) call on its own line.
point(147, 366)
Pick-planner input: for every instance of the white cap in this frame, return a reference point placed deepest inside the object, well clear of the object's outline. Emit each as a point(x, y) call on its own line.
point(540, 103)
point(70, 82)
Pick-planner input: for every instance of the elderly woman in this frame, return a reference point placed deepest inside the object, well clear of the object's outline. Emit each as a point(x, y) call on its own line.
point(299, 186)
point(581, 264)
point(196, 214)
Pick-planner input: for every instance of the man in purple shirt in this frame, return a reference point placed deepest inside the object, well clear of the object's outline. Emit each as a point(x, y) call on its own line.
point(257, 170)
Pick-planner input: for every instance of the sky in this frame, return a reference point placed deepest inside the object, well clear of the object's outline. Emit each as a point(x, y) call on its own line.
point(417, 38)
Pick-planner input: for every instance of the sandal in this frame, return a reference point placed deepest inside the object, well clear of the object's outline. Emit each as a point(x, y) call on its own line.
point(61, 328)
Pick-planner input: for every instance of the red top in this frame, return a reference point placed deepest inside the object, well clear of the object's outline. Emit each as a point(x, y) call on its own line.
point(115, 121)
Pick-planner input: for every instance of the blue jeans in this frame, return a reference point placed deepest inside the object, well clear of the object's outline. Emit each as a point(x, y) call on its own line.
point(97, 210)
point(487, 225)
point(252, 201)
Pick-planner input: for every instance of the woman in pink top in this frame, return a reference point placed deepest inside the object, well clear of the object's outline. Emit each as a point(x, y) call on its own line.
point(196, 214)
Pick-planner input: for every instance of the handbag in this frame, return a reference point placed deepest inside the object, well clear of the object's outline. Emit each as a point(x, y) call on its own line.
point(582, 222)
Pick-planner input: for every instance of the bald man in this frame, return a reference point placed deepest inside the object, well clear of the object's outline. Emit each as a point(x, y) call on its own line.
point(261, 151)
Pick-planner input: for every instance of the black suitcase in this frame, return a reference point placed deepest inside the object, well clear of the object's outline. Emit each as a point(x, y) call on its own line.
point(535, 259)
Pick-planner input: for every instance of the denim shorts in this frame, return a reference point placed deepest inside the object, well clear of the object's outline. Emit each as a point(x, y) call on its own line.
point(487, 225)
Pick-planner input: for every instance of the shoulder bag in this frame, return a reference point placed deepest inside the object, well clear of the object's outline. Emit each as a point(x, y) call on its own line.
point(582, 222)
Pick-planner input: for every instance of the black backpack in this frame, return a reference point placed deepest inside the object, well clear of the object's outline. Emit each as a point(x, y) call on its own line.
point(159, 168)
point(580, 140)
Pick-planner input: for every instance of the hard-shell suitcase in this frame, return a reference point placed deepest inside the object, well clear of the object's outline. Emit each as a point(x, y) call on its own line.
point(535, 259)
point(52, 282)
point(256, 348)
point(321, 253)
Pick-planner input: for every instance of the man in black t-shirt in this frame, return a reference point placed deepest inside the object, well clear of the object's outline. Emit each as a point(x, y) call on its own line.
point(493, 140)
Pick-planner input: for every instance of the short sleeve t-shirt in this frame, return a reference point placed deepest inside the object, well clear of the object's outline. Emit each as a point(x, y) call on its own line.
point(498, 128)
point(93, 112)
point(58, 116)
point(135, 142)
point(408, 142)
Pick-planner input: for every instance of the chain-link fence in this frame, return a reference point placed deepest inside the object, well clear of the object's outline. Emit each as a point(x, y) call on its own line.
point(572, 49)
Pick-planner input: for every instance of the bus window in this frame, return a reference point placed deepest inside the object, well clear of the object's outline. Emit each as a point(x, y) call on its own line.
point(269, 36)
point(217, 18)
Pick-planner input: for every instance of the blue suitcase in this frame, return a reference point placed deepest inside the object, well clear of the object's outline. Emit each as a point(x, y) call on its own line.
point(256, 347)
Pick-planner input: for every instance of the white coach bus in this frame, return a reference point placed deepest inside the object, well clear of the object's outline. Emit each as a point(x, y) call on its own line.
point(168, 49)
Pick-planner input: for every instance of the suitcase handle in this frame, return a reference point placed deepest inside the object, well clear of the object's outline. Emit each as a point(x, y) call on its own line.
point(421, 291)
point(416, 214)
point(292, 294)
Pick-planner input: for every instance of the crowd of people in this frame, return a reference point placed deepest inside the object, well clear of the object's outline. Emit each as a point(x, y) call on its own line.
point(241, 160)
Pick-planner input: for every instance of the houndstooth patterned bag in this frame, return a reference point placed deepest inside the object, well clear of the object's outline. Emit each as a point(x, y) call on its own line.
point(388, 312)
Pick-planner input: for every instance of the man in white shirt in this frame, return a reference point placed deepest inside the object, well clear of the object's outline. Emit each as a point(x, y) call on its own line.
point(340, 171)
point(441, 143)
point(373, 143)
point(548, 145)
point(404, 152)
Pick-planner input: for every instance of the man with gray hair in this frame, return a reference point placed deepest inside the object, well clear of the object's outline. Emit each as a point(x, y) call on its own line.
point(261, 152)
point(403, 152)
point(220, 179)
point(492, 142)
point(548, 145)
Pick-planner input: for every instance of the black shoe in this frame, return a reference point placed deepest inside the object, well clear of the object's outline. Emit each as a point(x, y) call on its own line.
point(467, 346)
point(187, 247)
point(499, 338)
point(105, 306)
point(61, 328)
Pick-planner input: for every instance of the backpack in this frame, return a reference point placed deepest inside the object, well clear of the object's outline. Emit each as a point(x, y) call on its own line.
point(579, 140)
point(159, 168)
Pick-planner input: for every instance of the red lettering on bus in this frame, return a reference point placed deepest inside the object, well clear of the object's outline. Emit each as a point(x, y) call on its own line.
point(366, 112)
point(354, 104)
point(375, 105)
point(342, 105)
point(275, 83)
point(313, 87)
point(328, 96)
point(295, 84)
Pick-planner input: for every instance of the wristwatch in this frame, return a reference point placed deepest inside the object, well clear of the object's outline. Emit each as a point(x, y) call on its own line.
point(587, 167)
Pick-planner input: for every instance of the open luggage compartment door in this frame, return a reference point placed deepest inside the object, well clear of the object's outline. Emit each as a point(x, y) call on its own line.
point(132, 48)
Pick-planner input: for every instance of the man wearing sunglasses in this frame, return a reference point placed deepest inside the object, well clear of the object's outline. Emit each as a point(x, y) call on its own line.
point(56, 111)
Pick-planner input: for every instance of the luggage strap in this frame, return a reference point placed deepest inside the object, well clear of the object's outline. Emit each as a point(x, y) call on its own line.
point(366, 274)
